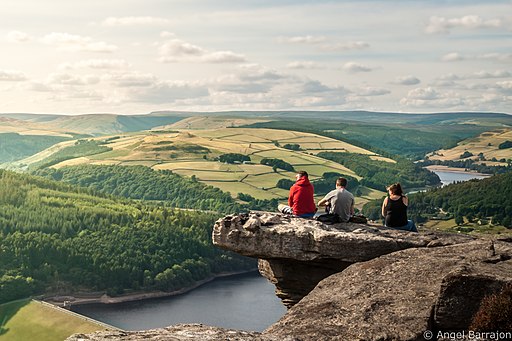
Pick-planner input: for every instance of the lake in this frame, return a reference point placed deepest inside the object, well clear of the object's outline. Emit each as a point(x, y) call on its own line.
point(244, 302)
point(451, 177)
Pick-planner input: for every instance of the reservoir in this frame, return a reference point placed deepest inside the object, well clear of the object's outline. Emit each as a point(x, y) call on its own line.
point(244, 302)
point(448, 177)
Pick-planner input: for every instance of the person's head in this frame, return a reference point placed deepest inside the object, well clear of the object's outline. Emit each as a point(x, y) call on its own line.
point(395, 189)
point(341, 182)
point(301, 174)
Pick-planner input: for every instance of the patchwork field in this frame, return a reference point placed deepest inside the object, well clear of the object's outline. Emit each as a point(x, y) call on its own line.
point(30, 320)
point(486, 143)
point(195, 153)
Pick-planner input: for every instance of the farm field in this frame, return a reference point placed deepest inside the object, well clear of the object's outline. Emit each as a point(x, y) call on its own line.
point(486, 143)
point(195, 152)
point(30, 320)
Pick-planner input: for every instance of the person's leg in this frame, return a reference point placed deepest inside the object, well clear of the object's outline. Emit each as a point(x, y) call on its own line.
point(284, 209)
point(411, 226)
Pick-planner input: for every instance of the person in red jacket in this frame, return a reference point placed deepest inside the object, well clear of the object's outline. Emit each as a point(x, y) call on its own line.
point(300, 201)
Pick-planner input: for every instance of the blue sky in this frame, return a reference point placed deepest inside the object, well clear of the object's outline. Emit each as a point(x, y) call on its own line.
point(139, 56)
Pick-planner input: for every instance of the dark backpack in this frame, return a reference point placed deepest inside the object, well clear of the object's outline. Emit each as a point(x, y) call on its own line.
point(329, 218)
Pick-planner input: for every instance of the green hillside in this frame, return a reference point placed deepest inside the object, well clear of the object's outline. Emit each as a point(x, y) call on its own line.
point(15, 147)
point(58, 237)
point(483, 202)
point(31, 320)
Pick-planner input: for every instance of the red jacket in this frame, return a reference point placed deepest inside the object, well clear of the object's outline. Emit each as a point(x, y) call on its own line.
point(301, 197)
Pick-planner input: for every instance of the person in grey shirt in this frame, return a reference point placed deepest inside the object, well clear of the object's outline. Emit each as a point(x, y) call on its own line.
point(340, 201)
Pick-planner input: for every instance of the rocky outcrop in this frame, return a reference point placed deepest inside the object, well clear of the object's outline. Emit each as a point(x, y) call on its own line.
point(296, 254)
point(401, 296)
point(182, 332)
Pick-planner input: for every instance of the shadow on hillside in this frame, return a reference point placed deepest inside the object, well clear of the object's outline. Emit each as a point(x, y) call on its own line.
point(8, 310)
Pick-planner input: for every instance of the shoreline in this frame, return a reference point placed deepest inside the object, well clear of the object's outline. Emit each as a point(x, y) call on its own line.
point(67, 301)
point(448, 169)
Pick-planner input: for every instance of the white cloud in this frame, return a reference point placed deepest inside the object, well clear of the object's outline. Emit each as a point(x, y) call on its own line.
point(102, 64)
point(18, 37)
point(308, 39)
point(69, 79)
point(443, 25)
point(76, 43)
point(407, 80)
point(135, 21)
point(351, 45)
point(487, 74)
point(132, 79)
point(12, 76)
point(169, 92)
point(355, 67)
point(304, 65)
point(431, 97)
point(452, 57)
point(503, 57)
point(167, 34)
point(177, 50)
point(372, 91)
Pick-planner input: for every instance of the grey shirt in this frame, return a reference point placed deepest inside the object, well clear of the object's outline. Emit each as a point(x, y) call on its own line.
point(341, 202)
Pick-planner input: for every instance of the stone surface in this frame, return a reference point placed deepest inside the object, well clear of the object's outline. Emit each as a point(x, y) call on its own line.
point(182, 332)
point(296, 254)
point(401, 295)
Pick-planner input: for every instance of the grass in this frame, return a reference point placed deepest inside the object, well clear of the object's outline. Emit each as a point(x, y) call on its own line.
point(477, 230)
point(30, 320)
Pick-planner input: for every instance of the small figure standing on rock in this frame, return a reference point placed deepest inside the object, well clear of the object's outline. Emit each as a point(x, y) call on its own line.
point(394, 209)
point(300, 201)
point(339, 201)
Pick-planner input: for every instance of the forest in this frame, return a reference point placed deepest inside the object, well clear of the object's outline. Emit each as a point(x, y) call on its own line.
point(14, 146)
point(56, 237)
point(489, 198)
point(144, 183)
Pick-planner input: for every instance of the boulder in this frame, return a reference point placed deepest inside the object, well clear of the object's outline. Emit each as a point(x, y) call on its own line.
point(401, 296)
point(295, 254)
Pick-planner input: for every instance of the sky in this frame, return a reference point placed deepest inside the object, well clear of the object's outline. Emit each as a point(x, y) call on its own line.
point(139, 56)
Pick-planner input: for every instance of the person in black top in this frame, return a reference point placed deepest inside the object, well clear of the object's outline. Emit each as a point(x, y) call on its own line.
point(394, 209)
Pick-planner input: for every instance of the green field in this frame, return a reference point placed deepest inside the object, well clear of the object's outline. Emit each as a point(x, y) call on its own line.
point(26, 320)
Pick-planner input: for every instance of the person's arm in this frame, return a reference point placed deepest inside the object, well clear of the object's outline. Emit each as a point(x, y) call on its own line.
point(352, 211)
point(384, 204)
point(290, 197)
point(405, 200)
point(325, 200)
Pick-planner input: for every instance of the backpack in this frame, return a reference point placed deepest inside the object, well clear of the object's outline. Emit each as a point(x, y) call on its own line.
point(329, 218)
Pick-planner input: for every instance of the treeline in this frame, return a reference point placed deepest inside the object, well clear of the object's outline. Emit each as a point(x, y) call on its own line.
point(144, 183)
point(56, 237)
point(379, 174)
point(234, 157)
point(277, 164)
point(489, 198)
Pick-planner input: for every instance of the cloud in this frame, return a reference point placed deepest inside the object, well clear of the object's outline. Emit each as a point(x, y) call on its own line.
point(12, 76)
point(443, 25)
point(69, 79)
point(18, 37)
point(132, 79)
point(355, 67)
point(76, 43)
point(101, 64)
point(135, 21)
point(308, 39)
point(169, 92)
point(351, 45)
point(372, 91)
point(503, 57)
point(505, 87)
point(431, 97)
point(452, 57)
point(407, 80)
point(177, 50)
point(304, 65)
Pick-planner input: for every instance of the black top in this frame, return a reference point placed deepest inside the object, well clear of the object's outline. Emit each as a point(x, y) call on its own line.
point(396, 213)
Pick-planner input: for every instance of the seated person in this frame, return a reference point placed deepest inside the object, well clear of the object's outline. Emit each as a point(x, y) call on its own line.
point(300, 200)
point(394, 209)
point(339, 201)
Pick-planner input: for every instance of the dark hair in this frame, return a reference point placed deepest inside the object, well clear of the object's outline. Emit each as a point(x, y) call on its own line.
point(341, 182)
point(303, 173)
point(396, 189)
